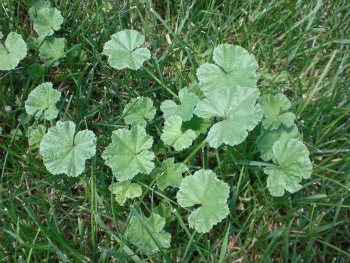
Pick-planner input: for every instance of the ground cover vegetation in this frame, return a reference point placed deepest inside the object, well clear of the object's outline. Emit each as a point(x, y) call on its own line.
point(176, 131)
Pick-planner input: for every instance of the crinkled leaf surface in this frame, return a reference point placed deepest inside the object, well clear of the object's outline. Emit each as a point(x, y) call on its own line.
point(292, 164)
point(124, 51)
point(188, 100)
point(138, 110)
point(128, 154)
point(125, 190)
point(205, 189)
point(275, 111)
point(42, 101)
point(52, 50)
point(234, 67)
point(172, 134)
point(36, 135)
point(46, 19)
point(281, 134)
point(170, 173)
point(239, 113)
point(138, 234)
point(65, 151)
point(12, 52)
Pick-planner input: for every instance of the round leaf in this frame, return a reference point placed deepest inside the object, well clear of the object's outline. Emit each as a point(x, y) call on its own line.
point(14, 50)
point(292, 164)
point(42, 101)
point(64, 151)
point(205, 189)
point(52, 50)
point(138, 111)
point(239, 113)
point(234, 67)
point(172, 134)
point(123, 50)
point(125, 190)
point(128, 154)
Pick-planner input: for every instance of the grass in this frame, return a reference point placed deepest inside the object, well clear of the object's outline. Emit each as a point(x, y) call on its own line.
point(303, 51)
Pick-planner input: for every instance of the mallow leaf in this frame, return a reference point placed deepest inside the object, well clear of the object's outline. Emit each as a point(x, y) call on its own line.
point(267, 139)
point(46, 19)
point(42, 101)
point(124, 190)
point(124, 51)
point(138, 111)
point(292, 164)
point(237, 111)
point(203, 188)
point(65, 151)
point(170, 173)
point(142, 234)
point(12, 52)
point(36, 135)
point(172, 134)
point(234, 67)
point(275, 111)
point(128, 154)
point(52, 50)
point(188, 100)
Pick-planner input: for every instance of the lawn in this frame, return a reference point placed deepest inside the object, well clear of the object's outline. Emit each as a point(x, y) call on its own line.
point(301, 50)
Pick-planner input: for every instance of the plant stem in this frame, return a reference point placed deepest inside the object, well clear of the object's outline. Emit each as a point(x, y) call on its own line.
point(194, 151)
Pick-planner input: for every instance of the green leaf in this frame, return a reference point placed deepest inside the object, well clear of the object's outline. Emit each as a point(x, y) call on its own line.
point(42, 101)
point(52, 50)
point(123, 50)
point(203, 188)
point(138, 110)
point(234, 67)
point(125, 190)
point(128, 154)
point(172, 134)
point(237, 110)
point(274, 108)
point(170, 173)
point(184, 110)
point(12, 52)
point(138, 234)
point(65, 151)
point(1, 35)
point(292, 164)
point(282, 134)
point(36, 135)
point(46, 19)
point(199, 125)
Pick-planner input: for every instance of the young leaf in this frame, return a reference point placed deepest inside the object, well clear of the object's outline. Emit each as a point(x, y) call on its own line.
point(42, 101)
point(52, 50)
point(138, 110)
point(274, 108)
point(125, 190)
point(36, 135)
point(282, 134)
point(234, 67)
point(46, 19)
point(205, 189)
point(65, 151)
point(185, 110)
point(292, 164)
point(172, 134)
point(170, 174)
point(123, 50)
point(128, 154)
point(138, 234)
point(12, 52)
point(239, 111)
